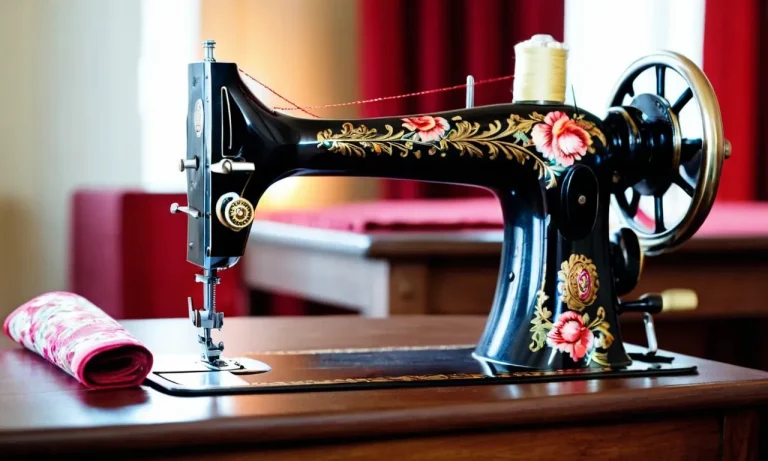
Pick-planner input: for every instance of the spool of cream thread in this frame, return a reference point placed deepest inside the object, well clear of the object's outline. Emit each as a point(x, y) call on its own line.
point(540, 72)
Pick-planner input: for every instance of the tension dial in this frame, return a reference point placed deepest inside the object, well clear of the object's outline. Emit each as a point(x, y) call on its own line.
point(239, 213)
point(234, 211)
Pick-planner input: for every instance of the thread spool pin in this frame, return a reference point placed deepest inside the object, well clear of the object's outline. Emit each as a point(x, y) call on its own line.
point(208, 46)
point(470, 91)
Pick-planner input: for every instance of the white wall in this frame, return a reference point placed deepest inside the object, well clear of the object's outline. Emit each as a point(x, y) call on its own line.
point(606, 36)
point(170, 40)
point(69, 118)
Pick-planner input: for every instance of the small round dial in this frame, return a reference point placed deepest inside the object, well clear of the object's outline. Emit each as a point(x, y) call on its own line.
point(234, 211)
point(238, 213)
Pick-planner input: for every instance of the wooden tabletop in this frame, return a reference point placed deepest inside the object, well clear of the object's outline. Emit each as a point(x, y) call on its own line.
point(44, 410)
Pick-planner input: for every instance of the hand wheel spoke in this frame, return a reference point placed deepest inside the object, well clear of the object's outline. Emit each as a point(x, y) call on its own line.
point(690, 148)
point(630, 208)
point(660, 80)
point(633, 204)
point(682, 101)
point(621, 199)
point(658, 208)
point(626, 89)
point(684, 183)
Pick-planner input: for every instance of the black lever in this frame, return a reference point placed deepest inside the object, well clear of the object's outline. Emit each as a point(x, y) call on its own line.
point(654, 303)
point(666, 301)
point(651, 303)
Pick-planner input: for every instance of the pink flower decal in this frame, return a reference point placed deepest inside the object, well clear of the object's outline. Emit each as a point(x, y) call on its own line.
point(427, 128)
point(571, 336)
point(561, 138)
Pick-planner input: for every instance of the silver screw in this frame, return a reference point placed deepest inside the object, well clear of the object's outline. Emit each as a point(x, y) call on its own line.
point(582, 200)
point(511, 276)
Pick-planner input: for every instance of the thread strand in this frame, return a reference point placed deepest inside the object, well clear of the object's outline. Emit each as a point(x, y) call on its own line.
point(401, 96)
point(296, 106)
point(305, 109)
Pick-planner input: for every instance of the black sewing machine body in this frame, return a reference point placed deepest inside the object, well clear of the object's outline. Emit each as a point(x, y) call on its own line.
point(553, 167)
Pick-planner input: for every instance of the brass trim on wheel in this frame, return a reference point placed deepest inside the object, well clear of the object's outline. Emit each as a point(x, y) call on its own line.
point(713, 151)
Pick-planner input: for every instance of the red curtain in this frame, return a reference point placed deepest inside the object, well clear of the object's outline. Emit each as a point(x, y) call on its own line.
point(734, 61)
point(415, 45)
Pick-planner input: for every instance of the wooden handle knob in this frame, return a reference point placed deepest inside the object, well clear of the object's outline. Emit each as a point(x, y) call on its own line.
point(679, 299)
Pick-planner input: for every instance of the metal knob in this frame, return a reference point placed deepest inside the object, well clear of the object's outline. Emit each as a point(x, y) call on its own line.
point(228, 166)
point(208, 45)
point(234, 211)
point(188, 163)
point(175, 208)
point(238, 213)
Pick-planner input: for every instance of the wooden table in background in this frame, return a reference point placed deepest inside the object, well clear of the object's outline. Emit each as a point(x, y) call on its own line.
point(714, 415)
point(393, 273)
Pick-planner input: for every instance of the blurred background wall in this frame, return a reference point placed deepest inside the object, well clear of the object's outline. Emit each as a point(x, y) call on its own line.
point(91, 92)
point(306, 50)
point(69, 119)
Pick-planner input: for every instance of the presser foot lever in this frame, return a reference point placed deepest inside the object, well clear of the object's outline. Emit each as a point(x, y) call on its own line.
point(652, 303)
point(650, 334)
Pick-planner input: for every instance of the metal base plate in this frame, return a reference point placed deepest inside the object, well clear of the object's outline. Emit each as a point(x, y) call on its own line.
point(171, 364)
point(349, 369)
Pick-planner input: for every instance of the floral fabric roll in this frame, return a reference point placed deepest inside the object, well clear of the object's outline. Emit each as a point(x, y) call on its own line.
point(81, 339)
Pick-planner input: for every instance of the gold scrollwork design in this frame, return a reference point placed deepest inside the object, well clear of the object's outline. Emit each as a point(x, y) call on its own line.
point(541, 321)
point(600, 328)
point(511, 139)
point(571, 333)
point(355, 140)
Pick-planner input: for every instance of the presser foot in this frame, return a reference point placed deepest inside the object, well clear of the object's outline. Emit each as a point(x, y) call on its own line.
point(237, 366)
point(209, 352)
point(205, 320)
point(223, 370)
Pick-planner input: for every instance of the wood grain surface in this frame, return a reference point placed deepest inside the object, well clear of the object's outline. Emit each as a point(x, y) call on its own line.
point(692, 439)
point(42, 410)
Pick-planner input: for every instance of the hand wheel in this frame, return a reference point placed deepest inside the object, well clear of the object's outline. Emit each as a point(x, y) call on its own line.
point(693, 164)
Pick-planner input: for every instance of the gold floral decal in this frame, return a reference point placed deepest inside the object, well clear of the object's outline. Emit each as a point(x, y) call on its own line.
point(578, 282)
point(560, 139)
point(571, 333)
point(541, 321)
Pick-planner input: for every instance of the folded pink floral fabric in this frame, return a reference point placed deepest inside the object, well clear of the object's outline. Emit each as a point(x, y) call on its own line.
point(78, 337)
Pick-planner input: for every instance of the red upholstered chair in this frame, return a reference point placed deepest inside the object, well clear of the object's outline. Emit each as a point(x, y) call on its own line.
point(128, 256)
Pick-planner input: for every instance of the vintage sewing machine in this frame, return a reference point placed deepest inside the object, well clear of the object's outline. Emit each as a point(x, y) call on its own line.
point(556, 169)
